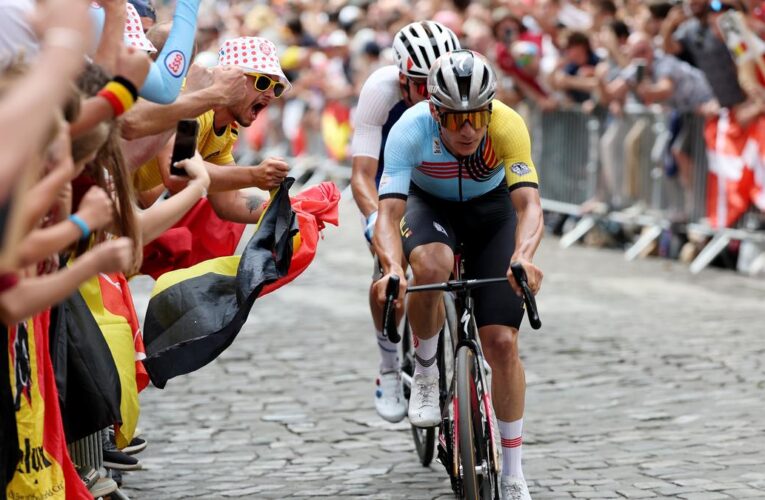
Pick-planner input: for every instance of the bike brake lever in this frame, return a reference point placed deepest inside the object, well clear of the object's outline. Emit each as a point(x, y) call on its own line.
point(528, 298)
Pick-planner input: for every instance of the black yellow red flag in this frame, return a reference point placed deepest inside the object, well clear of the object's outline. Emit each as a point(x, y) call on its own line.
point(194, 314)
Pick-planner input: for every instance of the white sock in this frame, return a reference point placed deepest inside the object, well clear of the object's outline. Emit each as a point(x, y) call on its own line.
point(388, 353)
point(512, 447)
point(425, 355)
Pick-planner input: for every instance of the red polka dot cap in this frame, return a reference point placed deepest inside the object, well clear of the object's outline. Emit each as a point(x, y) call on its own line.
point(134, 36)
point(252, 54)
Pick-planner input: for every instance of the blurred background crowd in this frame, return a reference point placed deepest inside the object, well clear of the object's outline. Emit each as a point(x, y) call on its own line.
point(651, 78)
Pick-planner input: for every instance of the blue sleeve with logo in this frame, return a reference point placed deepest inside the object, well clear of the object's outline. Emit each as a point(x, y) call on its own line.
point(402, 153)
point(166, 74)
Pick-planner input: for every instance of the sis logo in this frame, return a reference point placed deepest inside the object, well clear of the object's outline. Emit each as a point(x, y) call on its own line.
point(175, 63)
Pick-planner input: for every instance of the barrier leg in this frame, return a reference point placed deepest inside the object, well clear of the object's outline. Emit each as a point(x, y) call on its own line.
point(650, 234)
point(582, 227)
point(710, 251)
point(758, 265)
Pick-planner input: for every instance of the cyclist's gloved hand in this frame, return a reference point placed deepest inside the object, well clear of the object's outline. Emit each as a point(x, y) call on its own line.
point(369, 231)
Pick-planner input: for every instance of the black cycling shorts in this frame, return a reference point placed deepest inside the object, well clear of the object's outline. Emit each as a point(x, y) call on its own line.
point(485, 226)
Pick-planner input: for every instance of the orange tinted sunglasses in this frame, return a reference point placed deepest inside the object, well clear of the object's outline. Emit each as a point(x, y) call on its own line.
point(454, 120)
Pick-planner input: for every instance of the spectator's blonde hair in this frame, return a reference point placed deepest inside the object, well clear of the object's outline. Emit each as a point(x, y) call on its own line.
point(109, 170)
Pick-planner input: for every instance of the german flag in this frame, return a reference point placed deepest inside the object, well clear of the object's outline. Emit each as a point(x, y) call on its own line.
point(194, 314)
point(44, 469)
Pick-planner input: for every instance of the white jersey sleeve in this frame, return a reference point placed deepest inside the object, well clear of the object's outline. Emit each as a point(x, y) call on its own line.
point(379, 94)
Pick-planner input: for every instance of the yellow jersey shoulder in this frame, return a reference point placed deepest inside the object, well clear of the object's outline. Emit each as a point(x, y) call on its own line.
point(512, 144)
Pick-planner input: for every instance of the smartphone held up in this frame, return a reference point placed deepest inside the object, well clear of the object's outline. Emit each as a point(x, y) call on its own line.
point(185, 145)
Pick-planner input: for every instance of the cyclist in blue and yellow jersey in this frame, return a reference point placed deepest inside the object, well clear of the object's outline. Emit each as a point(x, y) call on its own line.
point(386, 94)
point(458, 172)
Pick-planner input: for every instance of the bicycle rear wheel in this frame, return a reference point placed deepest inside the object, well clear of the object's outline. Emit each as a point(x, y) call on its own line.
point(478, 478)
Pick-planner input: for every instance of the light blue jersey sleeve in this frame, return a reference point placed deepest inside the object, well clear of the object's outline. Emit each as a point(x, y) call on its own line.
point(163, 83)
point(403, 151)
point(165, 77)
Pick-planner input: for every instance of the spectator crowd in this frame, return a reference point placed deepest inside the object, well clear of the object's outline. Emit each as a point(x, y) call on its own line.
point(92, 95)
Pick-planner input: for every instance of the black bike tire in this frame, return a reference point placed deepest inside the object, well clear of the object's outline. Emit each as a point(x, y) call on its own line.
point(464, 372)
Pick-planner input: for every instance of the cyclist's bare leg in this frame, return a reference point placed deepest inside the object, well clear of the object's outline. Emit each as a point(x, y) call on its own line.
point(431, 263)
point(508, 390)
point(500, 347)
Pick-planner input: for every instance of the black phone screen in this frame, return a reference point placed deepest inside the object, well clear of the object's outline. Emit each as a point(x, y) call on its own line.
point(185, 144)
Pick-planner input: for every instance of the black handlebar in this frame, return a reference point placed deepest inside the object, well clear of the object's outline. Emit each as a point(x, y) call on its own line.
point(528, 298)
point(389, 313)
point(391, 293)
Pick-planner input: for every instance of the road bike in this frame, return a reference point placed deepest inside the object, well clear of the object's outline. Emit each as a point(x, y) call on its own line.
point(467, 445)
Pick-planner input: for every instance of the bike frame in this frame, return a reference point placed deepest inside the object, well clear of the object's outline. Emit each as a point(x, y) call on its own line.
point(467, 335)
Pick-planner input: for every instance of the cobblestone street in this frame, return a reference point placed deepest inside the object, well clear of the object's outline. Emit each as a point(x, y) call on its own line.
point(644, 382)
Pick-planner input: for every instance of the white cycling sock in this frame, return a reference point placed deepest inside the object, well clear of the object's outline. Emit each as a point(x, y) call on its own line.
point(388, 353)
point(512, 447)
point(425, 354)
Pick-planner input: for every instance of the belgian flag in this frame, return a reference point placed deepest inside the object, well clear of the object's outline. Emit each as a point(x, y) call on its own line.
point(194, 314)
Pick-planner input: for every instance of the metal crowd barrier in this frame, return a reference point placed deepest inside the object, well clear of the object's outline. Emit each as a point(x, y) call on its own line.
point(88, 453)
point(620, 162)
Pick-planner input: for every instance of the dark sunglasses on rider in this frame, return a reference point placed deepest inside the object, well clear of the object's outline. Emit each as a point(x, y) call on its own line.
point(454, 120)
point(263, 83)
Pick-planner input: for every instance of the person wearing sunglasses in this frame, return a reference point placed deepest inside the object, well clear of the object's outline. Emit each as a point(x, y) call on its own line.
point(458, 173)
point(386, 94)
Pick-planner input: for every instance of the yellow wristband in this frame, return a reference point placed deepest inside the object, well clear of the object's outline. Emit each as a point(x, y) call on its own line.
point(122, 93)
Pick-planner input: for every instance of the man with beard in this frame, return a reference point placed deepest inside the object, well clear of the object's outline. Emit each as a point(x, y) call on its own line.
point(257, 60)
point(247, 79)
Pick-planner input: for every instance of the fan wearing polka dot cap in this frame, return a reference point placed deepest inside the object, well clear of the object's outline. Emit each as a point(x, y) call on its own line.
point(258, 59)
point(231, 94)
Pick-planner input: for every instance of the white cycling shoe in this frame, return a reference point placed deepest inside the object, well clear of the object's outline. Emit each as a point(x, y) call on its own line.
point(514, 488)
point(424, 409)
point(389, 396)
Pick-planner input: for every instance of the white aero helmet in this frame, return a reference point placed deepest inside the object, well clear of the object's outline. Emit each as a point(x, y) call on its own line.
point(417, 46)
point(461, 80)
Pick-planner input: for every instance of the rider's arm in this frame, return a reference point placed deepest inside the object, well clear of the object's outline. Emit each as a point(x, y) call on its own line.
point(512, 137)
point(378, 95)
point(363, 173)
point(387, 238)
point(530, 227)
point(402, 152)
point(523, 183)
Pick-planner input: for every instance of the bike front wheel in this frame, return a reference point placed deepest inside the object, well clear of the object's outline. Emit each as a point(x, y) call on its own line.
point(476, 468)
